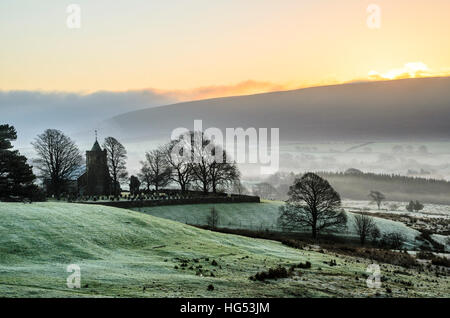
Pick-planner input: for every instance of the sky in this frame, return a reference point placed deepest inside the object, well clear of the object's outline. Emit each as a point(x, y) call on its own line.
point(201, 48)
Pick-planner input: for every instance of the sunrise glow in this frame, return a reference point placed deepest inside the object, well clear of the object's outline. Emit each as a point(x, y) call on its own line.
point(409, 70)
point(208, 49)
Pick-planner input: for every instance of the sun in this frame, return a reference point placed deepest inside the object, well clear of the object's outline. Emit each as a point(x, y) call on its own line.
point(409, 70)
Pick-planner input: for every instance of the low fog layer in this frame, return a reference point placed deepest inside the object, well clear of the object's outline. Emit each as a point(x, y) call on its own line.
point(32, 112)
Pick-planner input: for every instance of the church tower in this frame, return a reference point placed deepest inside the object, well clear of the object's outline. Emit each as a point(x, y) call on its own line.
point(96, 179)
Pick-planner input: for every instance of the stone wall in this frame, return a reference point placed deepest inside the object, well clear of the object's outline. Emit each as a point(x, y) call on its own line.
point(126, 204)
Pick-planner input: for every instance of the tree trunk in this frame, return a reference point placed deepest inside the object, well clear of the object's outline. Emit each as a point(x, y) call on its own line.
point(314, 226)
point(114, 187)
point(56, 189)
point(314, 232)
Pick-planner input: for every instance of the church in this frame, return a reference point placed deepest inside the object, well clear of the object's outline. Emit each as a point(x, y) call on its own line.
point(96, 179)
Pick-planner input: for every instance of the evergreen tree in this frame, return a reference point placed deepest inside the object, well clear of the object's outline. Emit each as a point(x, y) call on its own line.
point(16, 176)
point(410, 206)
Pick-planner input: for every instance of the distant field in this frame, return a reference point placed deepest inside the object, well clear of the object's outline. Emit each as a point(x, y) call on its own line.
point(258, 216)
point(429, 210)
point(121, 251)
point(236, 215)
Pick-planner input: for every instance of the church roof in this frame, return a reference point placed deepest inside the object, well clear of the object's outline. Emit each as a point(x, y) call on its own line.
point(96, 147)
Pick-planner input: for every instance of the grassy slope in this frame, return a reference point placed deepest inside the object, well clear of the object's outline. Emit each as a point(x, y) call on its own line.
point(120, 251)
point(258, 216)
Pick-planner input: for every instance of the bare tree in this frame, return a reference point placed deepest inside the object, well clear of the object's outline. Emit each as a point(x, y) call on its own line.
point(181, 167)
point(223, 174)
point(312, 203)
point(195, 157)
point(203, 157)
point(239, 188)
point(364, 226)
point(213, 218)
point(116, 158)
point(145, 175)
point(265, 190)
point(59, 159)
point(375, 234)
point(377, 197)
point(394, 240)
point(155, 170)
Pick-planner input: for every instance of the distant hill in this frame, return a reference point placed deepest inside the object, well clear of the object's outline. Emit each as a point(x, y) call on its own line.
point(357, 185)
point(395, 187)
point(409, 109)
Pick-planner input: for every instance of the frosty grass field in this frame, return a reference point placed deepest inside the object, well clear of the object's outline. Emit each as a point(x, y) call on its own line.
point(123, 253)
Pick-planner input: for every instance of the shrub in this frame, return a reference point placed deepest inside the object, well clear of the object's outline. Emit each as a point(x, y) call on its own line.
point(440, 261)
point(424, 255)
point(394, 207)
point(380, 255)
point(272, 273)
point(293, 243)
point(38, 195)
point(425, 236)
point(393, 240)
point(331, 263)
point(435, 260)
point(304, 265)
